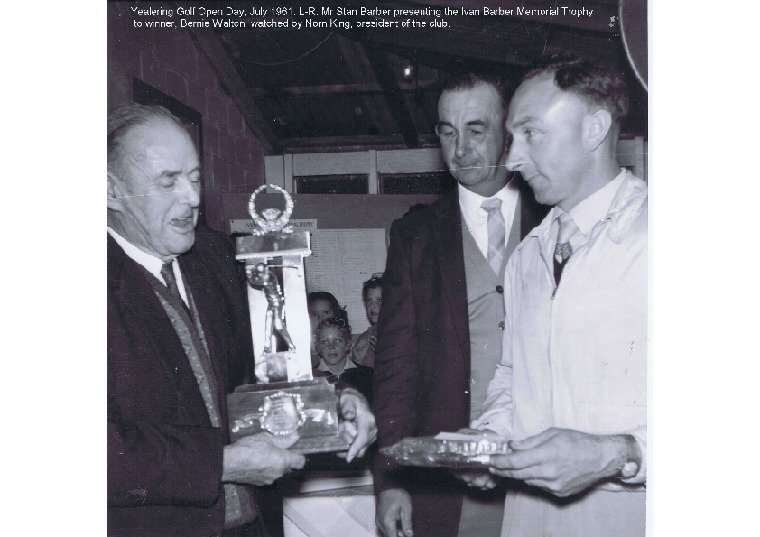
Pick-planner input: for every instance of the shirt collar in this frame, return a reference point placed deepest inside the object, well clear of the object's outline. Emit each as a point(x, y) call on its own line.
point(594, 208)
point(323, 366)
point(470, 202)
point(150, 262)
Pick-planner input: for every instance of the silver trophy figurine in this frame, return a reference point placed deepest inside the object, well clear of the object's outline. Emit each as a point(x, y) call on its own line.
point(286, 397)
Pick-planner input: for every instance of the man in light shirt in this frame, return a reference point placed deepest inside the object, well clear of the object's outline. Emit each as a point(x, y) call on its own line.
point(178, 341)
point(571, 389)
point(440, 327)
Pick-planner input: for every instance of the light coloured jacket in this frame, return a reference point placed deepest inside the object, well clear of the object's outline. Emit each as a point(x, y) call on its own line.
point(575, 357)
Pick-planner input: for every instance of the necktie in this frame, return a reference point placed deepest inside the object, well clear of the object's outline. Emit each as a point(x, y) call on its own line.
point(171, 281)
point(496, 234)
point(563, 250)
point(238, 506)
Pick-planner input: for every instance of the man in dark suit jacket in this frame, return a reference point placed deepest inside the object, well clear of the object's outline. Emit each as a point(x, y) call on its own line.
point(178, 340)
point(425, 370)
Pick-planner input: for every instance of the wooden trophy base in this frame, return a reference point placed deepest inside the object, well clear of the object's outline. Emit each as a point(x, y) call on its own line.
point(309, 407)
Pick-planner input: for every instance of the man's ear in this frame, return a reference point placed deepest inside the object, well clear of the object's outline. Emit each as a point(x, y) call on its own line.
point(114, 193)
point(597, 127)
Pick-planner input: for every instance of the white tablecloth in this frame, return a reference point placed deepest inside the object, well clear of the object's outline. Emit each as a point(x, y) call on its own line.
point(327, 507)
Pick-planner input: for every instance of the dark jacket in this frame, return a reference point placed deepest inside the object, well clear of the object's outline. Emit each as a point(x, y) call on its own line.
point(422, 361)
point(360, 377)
point(164, 457)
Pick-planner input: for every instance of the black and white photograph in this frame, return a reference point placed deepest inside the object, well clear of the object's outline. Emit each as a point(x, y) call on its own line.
point(378, 268)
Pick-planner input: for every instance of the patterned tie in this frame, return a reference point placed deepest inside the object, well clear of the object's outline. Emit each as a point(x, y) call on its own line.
point(496, 234)
point(563, 250)
point(238, 504)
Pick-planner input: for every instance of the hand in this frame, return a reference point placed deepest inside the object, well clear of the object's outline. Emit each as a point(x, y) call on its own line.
point(394, 513)
point(359, 348)
point(259, 459)
point(358, 425)
point(493, 436)
point(562, 461)
point(372, 342)
point(479, 479)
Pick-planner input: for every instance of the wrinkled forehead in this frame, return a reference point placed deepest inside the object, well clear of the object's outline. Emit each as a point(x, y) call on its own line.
point(158, 138)
point(482, 101)
point(540, 98)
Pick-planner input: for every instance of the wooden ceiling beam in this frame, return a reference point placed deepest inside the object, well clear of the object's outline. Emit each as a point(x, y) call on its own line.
point(320, 144)
point(209, 44)
point(359, 67)
point(394, 96)
point(359, 88)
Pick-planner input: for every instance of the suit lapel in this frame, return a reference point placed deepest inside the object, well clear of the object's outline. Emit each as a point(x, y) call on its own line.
point(448, 245)
point(196, 272)
point(136, 299)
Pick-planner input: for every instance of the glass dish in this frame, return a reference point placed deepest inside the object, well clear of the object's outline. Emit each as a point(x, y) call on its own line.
point(431, 452)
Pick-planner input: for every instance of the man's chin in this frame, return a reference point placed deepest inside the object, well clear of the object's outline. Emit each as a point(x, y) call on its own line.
point(180, 243)
point(468, 177)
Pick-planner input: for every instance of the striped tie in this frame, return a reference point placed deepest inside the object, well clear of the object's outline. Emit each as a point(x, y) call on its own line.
point(496, 234)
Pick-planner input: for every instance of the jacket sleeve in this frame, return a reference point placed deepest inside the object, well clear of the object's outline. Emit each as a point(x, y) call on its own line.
point(162, 449)
point(155, 464)
point(154, 460)
point(397, 368)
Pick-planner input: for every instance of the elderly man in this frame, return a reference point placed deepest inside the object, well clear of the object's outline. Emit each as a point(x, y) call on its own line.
point(178, 340)
point(440, 327)
point(571, 389)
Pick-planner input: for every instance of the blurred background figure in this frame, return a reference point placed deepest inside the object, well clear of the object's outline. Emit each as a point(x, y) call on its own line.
point(333, 337)
point(363, 351)
point(322, 305)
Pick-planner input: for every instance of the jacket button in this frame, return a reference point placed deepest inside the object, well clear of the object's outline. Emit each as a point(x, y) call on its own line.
point(499, 289)
point(501, 325)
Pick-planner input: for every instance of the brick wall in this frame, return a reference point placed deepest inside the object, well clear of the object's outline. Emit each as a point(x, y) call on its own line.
point(168, 60)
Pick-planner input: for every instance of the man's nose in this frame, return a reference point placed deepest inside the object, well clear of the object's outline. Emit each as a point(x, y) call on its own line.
point(190, 191)
point(515, 157)
point(463, 145)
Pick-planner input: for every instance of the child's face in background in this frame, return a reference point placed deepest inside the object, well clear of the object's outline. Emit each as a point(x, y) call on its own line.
point(332, 344)
point(320, 310)
point(373, 300)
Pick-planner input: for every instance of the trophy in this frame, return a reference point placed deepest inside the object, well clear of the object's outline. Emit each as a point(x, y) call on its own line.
point(286, 397)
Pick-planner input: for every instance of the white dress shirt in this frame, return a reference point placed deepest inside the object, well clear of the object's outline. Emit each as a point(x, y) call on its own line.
point(150, 262)
point(475, 217)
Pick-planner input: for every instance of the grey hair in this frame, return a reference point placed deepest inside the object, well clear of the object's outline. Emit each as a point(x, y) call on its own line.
point(125, 118)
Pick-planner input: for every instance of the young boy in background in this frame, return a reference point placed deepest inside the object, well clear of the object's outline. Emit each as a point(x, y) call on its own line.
point(333, 342)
